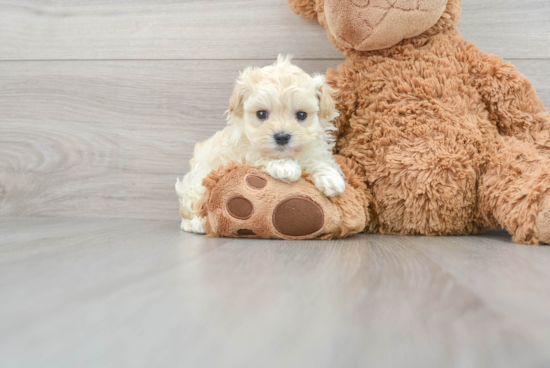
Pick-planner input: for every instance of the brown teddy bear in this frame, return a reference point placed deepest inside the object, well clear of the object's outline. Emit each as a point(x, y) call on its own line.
point(448, 140)
point(451, 140)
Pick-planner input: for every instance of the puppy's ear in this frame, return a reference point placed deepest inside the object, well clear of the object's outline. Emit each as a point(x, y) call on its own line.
point(236, 100)
point(324, 94)
point(242, 90)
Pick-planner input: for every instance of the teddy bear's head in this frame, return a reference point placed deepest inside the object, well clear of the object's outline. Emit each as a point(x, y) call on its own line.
point(367, 25)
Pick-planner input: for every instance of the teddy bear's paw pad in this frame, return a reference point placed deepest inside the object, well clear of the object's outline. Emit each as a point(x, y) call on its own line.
point(240, 208)
point(255, 182)
point(246, 232)
point(298, 216)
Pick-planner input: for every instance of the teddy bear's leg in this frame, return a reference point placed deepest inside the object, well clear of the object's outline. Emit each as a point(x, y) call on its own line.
point(248, 202)
point(243, 201)
point(426, 186)
point(515, 191)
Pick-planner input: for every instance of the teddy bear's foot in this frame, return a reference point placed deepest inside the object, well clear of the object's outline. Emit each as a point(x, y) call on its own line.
point(297, 216)
point(543, 221)
point(244, 201)
point(262, 209)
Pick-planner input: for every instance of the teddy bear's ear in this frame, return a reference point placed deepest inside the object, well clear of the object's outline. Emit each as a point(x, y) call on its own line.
point(324, 94)
point(305, 8)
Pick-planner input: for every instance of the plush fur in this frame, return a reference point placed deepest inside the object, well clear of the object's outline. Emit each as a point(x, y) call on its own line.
point(451, 140)
point(281, 91)
point(338, 216)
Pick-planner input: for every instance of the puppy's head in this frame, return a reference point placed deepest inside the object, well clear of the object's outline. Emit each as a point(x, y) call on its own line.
point(281, 109)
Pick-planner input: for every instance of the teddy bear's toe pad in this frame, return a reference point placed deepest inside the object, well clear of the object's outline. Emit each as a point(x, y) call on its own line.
point(246, 232)
point(255, 182)
point(240, 208)
point(298, 216)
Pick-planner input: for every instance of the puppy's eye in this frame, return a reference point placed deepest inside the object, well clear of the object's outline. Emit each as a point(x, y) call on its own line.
point(262, 114)
point(301, 115)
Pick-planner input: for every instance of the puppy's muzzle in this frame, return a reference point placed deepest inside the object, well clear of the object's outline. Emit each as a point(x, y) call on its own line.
point(282, 139)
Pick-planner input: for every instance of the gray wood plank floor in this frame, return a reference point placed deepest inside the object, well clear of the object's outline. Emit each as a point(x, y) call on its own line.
point(129, 293)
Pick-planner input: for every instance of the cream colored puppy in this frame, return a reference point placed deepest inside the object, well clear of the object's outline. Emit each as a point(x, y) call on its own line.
point(279, 119)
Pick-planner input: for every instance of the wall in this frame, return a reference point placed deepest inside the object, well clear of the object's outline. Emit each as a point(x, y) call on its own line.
point(101, 101)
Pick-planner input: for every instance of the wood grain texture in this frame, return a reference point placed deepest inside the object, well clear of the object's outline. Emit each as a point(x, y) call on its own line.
point(508, 28)
point(152, 29)
point(107, 139)
point(122, 293)
point(218, 29)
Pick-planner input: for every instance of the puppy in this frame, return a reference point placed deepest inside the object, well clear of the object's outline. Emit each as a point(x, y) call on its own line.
point(279, 119)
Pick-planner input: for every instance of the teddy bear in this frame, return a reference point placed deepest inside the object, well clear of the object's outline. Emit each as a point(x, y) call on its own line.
point(451, 140)
point(444, 139)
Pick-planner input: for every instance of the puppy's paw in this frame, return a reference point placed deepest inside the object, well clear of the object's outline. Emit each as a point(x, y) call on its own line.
point(196, 225)
point(285, 170)
point(329, 181)
point(189, 195)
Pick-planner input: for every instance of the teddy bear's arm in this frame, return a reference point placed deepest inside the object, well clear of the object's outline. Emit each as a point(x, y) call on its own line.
point(346, 99)
point(512, 101)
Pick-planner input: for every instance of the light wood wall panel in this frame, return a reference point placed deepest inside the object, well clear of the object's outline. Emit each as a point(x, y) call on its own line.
point(102, 101)
point(221, 29)
point(152, 29)
point(107, 139)
point(508, 28)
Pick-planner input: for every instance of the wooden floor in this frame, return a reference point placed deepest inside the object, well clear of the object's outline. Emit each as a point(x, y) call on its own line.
point(131, 293)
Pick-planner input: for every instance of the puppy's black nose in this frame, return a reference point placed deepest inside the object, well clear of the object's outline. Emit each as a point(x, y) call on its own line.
point(282, 139)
